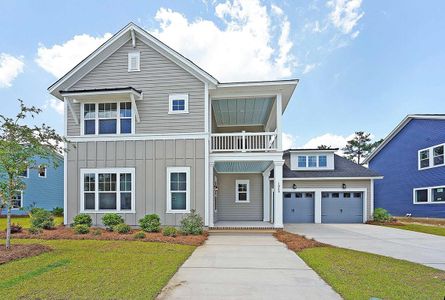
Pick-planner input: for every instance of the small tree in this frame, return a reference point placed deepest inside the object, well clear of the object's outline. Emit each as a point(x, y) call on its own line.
point(20, 146)
point(360, 147)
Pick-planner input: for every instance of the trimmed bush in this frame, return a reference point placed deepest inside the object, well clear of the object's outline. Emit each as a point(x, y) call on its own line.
point(110, 220)
point(35, 230)
point(82, 219)
point(81, 229)
point(139, 235)
point(41, 218)
point(382, 215)
point(57, 212)
point(192, 224)
point(122, 228)
point(150, 223)
point(170, 231)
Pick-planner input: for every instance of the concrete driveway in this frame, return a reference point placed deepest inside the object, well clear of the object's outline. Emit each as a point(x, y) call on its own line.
point(245, 266)
point(417, 247)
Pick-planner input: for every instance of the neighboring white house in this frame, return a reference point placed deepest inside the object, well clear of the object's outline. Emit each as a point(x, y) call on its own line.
point(154, 133)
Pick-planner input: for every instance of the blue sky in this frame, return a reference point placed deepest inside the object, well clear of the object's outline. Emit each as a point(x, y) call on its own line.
point(362, 65)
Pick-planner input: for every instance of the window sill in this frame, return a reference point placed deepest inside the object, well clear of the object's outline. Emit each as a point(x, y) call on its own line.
point(107, 211)
point(242, 201)
point(131, 71)
point(423, 203)
point(431, 167)
point(177, 112)
point(187, 211)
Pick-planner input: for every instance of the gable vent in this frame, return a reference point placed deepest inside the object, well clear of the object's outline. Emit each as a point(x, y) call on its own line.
point(134, 61)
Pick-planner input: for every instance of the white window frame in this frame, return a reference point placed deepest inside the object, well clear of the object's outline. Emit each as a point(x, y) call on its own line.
point(137, 55)
point(27, 174)
point(430, 157)
point(21, 201)
point(118, 171)
point(45, 170)
point(246, 182)
point(96, 119)
point(430, 195)
point(317, 162)
point(172, 97)
point(185, 170)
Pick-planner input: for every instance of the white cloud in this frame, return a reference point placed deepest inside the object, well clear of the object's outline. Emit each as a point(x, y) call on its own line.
point(329, 139)
point(59, 59)
point(10, 68)
point(252, 44)
point(345, 15)
point(54, 104)
point(309, 68)
point(288, 141)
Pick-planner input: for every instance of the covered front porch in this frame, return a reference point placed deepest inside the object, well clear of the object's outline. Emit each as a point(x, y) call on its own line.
point(242, 194)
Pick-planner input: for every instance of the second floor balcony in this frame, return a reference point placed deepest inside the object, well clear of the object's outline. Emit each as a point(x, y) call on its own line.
point(244, 142)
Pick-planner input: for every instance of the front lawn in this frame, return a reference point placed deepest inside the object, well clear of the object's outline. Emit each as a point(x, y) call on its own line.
point(359, 275)
point(24, 221)
point(436, 230)
point(88, 269)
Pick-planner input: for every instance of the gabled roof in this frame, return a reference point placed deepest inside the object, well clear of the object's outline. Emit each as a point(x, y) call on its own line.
point(113, 44)
point(399, 127)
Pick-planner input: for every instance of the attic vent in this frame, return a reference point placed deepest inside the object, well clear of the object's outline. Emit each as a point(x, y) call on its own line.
point(134, 61)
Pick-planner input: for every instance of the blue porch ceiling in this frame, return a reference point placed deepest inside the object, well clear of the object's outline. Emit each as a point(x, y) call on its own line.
point(242, 111)
point(241, 166)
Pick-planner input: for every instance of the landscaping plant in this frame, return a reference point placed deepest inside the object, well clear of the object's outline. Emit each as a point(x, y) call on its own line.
point(382, 215)
point(150, 223)
point(122, 228)
point(192, 224)
point(83, 219)
point(35, 230)
point(41, 218)
point(20, 147)
point(170, 231)
point(81, 229)
point(110, 220)
point(16, 228)
point(57, 212)
point(139, 235)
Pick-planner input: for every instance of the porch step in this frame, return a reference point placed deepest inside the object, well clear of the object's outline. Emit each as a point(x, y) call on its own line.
point(252, 229)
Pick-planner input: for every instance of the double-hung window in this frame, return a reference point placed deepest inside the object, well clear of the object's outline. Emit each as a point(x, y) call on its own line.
point(431, 157)
point(17, 200)
point(242, 191)
point(42, 171)
point(312, 161)
point(178, 189)
point(178, 103)
point(429, 195)
point(107, 190)
point(107, 118)
point(302, 161)
point(322, 161)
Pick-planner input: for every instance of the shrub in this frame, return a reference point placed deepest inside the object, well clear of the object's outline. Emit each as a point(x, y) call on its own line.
point(97, 231)
point(382, 215)
point(82, 219)
point(41, 218)
point(139, 235)
point(81, 229)
point(122, 228)
point(110, 220)
point(170, 231)
point(192, 224)
point(35, 230)
point(150, 223)
point(57, 212)
point(16, 228)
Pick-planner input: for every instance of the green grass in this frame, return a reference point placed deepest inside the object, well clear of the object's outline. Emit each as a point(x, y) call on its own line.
point(436, 230)
point(24, 221)
point(90, 269)
point(359, 275)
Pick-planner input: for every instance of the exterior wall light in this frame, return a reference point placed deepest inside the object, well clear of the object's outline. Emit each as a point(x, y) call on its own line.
point(343, 185)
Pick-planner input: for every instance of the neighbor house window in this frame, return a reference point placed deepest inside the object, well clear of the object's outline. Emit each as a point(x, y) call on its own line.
point(178, 190)
point(107, 118)
point(242, 191)
point(25, 173)
point(302, 161)
point(17, 200)
point(178, 103)
point(42, 171)
point(134, 61)
point(429, 195)
point(108, 190)
point(432, 157)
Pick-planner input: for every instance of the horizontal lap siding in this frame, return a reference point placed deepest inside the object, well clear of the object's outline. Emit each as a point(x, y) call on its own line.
point(158, 78)
point(150, 160)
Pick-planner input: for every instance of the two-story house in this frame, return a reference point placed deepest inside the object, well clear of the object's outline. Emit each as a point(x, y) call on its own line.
point(411, 159)
point(152, 132)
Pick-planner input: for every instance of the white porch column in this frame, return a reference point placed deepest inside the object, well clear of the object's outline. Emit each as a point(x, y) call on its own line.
point(278, 119)
point(317, 207)
point(211, 195)
point(278, 194)
point(266, 194)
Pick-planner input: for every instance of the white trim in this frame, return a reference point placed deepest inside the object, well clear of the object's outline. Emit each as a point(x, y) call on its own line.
point(184, 97)
point(258, 83)
point(430, 157)
point(208, 168)
point(132, 55)
point(371, 195)
point(45, 170)
point(86, 94)
point(247, 156)
point(247, 183)
point(185, 170)
point(334, 178)
point(27, 174)
point(65, 167)
point(117, 171)
point(137, 137)
point(278, 118)
point(21, 201)
point(429, 195)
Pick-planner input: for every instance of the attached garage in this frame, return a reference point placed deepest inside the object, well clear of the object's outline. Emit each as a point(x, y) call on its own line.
point(342, 207)
point(298, 207)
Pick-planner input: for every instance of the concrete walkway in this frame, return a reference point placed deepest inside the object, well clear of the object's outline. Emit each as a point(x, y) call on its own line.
point(426, 249)
point(245, 266)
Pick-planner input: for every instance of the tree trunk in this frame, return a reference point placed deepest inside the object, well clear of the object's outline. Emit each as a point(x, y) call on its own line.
point(8, 228)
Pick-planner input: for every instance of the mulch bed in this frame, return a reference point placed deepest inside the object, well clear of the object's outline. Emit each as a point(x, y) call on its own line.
point(67, 233)
point(390, 223)
point(21, 251)
point(297, 242)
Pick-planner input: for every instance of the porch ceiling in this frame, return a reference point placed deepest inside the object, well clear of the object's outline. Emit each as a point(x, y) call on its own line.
point(241, 166)
point(242, 111)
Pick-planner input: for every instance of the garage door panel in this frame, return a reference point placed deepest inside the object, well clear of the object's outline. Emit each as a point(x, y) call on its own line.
point(342, 207)
point(298, 208)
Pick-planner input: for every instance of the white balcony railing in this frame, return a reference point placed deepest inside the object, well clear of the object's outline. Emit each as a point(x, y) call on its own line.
point(243, 141)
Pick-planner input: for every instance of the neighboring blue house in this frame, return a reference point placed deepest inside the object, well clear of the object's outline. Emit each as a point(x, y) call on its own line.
point(411, 159)
point(44, 188)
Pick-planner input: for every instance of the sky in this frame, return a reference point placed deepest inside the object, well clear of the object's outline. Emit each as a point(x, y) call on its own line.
point(362, 65)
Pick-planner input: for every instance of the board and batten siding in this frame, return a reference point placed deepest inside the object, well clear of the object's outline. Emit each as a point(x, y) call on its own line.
point(228, 209)
point(150, 159)
point(158, 77)
point(320, 184)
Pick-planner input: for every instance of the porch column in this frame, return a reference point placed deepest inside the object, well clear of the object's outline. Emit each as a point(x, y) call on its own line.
point(317, 207)
point(266, 194)
point(278, 120)
point(278, 194)
point(211, 195)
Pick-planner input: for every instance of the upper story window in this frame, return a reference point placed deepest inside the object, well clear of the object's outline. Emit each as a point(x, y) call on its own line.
point(431, 157)
point(178, 103)
point(42, 171)
point(134, 61)
point(107, 118)
point(312, 161)
point(322, 161)
point(302, 161)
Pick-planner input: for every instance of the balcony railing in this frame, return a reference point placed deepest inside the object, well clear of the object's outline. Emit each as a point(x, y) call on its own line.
point(244, 142)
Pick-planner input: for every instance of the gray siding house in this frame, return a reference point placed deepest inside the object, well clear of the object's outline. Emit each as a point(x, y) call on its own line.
point(151, 132)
